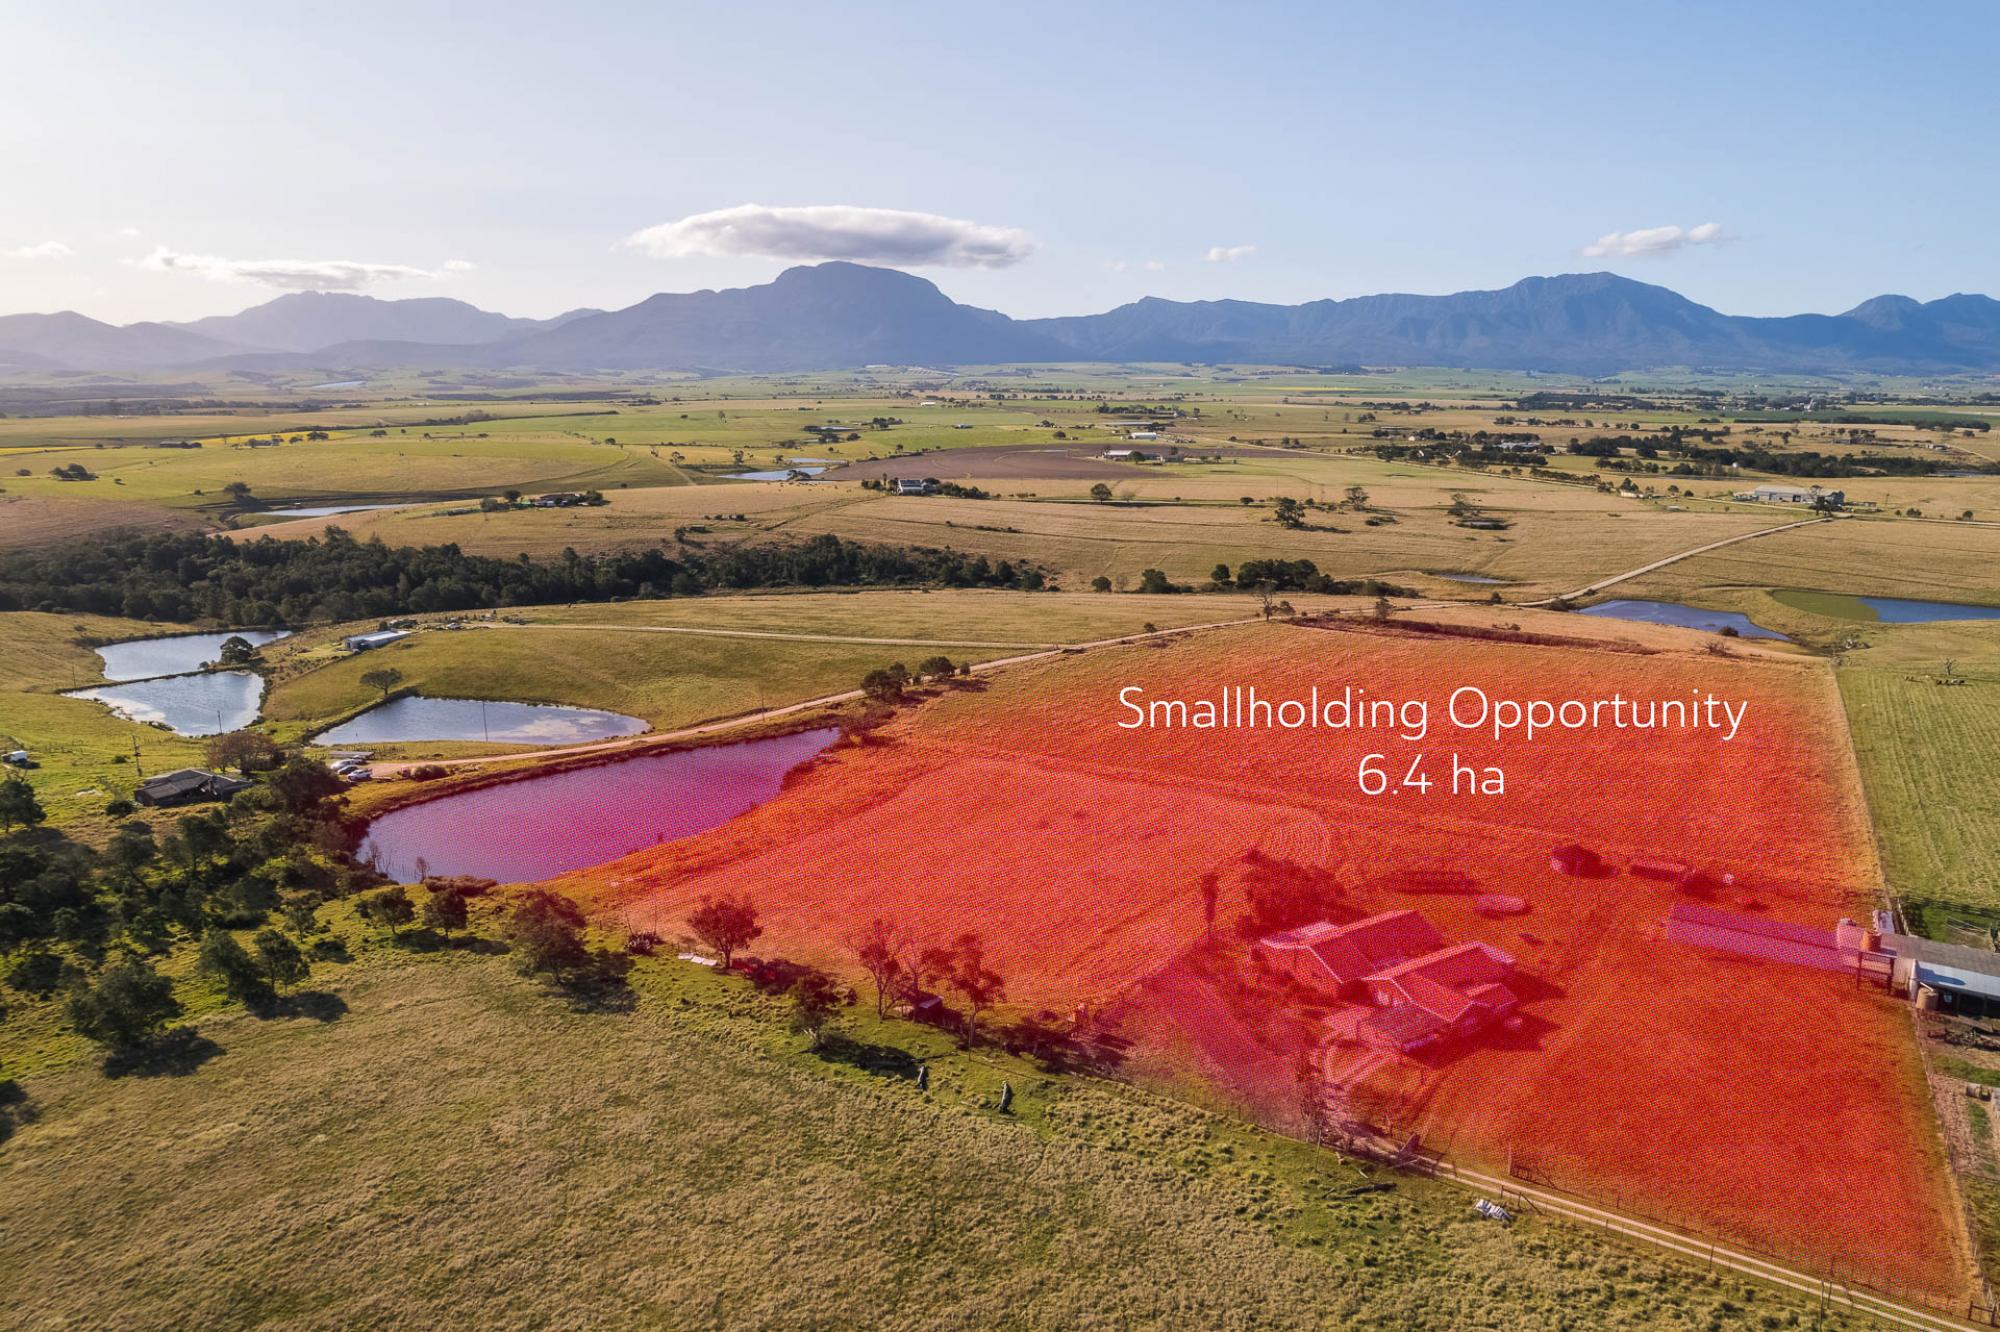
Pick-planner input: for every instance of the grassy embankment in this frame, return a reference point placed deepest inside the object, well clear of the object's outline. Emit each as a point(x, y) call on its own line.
point(446, 1141)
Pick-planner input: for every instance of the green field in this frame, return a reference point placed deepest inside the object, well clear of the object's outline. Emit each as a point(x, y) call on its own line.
point(87, 755)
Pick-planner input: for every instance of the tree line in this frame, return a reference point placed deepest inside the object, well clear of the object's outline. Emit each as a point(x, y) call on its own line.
point(190, 577)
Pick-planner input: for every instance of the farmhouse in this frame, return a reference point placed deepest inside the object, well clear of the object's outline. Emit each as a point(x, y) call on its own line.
point(380, 638)
point(1339, 957)
point(1417, 990)
point(1457, 991)
point(912, 485)
point(1771, 493)
point(187, 785)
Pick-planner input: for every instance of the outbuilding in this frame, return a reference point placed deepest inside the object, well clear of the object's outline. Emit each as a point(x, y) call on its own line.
point(380, 638)
point(186, 786)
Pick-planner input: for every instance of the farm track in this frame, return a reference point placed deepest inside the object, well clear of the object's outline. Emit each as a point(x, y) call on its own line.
point(1893, 1313)
point(1629, 574)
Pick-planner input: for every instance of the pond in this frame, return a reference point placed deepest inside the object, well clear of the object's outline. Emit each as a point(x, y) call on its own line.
point(1471, 578)
point(781, 475)
point(324, 510)
point(208, 703)
point(521, 832)
point(1884, 610)
point(418, 718)
point(143, 658)
point(1686, 617)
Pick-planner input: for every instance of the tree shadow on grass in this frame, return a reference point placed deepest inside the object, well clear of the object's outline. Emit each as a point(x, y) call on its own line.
point(882, 1060)
point(16, 1108)
point(174, 1055)
point(319, 1005)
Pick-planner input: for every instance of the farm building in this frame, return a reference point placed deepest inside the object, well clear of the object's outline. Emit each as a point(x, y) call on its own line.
point(911, 485)
point(1337, 957)
point(1950, 977)
point(186, 786)
point(380, 638)
point(1773, 493)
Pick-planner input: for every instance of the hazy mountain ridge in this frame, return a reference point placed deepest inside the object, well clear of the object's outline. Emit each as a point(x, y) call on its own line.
point(834, 315)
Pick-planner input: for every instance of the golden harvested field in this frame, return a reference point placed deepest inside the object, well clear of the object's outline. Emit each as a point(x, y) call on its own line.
point(1867, 557)
point(1559, 538)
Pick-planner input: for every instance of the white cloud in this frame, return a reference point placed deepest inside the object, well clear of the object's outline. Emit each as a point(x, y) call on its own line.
point(290, 274)
point(46, 250)
point(1155, 266)
point(1229, 254)
point(836, 231)
point(129, 233)
point(458, 266)
point(1649, 242)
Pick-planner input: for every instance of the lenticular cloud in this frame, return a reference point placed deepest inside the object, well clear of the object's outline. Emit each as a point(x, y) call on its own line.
point(837, 231)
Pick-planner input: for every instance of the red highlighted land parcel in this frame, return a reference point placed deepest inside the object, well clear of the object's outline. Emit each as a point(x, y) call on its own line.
point(1486, 970)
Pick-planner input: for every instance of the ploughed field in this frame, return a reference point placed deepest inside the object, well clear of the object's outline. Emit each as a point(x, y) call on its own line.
point(1769, 1106)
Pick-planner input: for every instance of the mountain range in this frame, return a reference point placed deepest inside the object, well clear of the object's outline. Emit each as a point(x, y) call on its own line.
point(833, 315)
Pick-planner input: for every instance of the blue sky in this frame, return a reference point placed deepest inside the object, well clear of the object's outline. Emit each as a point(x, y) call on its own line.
point(155, 161)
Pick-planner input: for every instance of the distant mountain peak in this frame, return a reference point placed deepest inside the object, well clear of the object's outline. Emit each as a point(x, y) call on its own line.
point(839, 314)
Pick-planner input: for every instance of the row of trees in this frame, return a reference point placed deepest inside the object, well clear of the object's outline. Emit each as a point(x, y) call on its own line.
point(175, 576)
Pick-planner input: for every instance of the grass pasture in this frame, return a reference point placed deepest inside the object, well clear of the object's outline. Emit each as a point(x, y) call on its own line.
point(426, 1151)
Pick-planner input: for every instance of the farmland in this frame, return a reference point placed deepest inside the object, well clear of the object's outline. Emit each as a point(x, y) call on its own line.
point(1086, 885)
point(1010, 804)
point(431, 1120)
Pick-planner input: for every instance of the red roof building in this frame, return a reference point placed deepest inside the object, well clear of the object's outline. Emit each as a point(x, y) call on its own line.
point(1338, 957)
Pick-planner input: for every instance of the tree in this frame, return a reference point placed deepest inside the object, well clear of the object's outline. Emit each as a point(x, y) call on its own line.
point(814, 1002)
point(1219, 574)
point(284, 964)
point(1357, 497)
point(1290, 513)
point(126, 1008)
point(246, 751)
point(227, 961)
point(725, 924)
point(1267, 596)
point(18, 806)
point(886, 685)
point(445, 910)
point(383, 678)
point(1101, 493)
point(546, 931)
point(239, 491)
point(978, 984)
point(936, 668)
point(1154, 582)
point(388, 907)
point(879, 948)
point(1100, 584)
point(236, 650)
